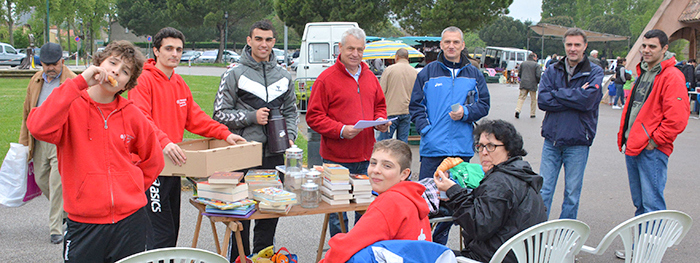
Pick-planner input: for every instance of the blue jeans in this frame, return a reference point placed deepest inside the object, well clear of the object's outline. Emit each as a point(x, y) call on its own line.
point(333, 220)
point(619, 94)
point(401, 126)
point(647, 177)
point(574, 159)
point(428, 165)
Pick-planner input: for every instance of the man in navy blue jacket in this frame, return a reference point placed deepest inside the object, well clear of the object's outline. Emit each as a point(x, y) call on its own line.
point(569, 94)
point(450, 82)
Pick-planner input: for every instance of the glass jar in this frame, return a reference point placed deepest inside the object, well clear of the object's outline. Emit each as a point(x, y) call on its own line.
point(309, 195)
point(293, 174)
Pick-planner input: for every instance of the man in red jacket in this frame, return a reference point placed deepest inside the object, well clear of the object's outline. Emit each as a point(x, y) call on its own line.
point(342, 95)
point(167, 101)
point(656, 112)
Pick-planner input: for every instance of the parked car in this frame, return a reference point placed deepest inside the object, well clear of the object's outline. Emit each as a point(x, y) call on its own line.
point(9, 56)
point(280, 55)
point(190, 55)
point(209, 56)
point(294, 64)
point(37, 50)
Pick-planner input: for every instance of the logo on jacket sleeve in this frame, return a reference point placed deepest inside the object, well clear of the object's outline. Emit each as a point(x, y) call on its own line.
point(181, 102)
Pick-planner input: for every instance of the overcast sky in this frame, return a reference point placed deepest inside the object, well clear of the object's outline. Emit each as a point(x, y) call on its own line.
point(524, 10)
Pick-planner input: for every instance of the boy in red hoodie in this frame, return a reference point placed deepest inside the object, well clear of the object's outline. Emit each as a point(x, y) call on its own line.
point(398, 213)
point(96, 132)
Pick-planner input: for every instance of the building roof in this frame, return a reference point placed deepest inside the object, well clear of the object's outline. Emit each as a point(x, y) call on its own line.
point(691, 13)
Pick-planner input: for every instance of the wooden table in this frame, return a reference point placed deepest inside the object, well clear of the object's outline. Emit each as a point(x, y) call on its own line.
point(234, 224)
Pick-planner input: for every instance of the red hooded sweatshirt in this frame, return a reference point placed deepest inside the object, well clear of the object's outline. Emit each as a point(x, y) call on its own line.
point(169, 104)
point(94, 142)
point(400, 213)
point(664, 114)
point(337, 100)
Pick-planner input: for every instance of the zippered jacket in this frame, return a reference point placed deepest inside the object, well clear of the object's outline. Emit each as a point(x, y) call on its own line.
point(664, 114)
point(95, 143)
point(252, 85)
point(168, 103)
point(434, 92)
point(506, 202)
point(571, 113)
point(337, 100)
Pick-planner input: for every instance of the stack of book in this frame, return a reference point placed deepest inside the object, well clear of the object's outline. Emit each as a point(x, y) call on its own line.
point(262, 178)
point(231, 178)
point(336, 184)
point(361, 189)
point(222, 192)
point(241, 212)
point(274, 200)
point(224, 205)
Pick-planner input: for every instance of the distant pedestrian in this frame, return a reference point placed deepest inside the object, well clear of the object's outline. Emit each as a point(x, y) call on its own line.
point(569, 94)
point(688, 71)
point(594, 58)
point(554, 60)
point(397, 83)
point(529, 74)
point(620, 78)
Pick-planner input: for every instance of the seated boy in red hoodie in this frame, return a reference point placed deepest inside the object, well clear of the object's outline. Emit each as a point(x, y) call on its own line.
point(399, 212)
point(96, 131)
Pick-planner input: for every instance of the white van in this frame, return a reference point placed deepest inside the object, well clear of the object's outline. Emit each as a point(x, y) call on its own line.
point(318, 51)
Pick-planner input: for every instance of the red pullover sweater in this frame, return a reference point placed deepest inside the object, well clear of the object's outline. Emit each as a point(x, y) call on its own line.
point(94, 142)
point(337, 100)
point(169, 104)
point(400, 213)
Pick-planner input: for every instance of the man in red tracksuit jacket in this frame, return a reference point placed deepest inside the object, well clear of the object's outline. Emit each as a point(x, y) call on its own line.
point(657, 111)
point(342, 95)
point(166, 100)
point(96, 132)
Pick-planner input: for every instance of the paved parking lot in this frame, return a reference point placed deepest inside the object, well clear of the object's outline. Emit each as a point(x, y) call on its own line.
point(605, 201)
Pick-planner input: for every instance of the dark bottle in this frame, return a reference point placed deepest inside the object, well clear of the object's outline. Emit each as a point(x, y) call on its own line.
point(277, 138)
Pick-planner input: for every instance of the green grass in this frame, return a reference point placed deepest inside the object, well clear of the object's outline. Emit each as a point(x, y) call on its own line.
point(13, 91)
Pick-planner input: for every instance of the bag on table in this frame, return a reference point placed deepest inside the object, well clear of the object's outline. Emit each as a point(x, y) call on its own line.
point(17, 186)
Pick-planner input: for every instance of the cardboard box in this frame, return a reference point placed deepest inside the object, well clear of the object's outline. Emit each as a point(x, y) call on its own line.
point(206, 156)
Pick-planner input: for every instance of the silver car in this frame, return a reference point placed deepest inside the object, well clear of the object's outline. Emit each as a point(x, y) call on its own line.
point(9, 55)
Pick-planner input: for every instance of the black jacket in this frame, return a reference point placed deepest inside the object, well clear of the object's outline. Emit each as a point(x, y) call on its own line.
point(506, 202)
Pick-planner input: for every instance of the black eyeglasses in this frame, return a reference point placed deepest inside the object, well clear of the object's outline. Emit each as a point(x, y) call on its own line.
point(490, 147)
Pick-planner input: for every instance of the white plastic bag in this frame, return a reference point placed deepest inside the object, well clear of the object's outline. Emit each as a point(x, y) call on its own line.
point(13, 176)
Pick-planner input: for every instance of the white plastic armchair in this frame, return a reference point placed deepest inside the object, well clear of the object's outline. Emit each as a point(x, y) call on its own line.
point(646, 237)
point(175, 254)
point(553, 241)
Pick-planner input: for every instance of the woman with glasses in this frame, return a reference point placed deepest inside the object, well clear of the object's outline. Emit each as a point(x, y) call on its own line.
point(508, 199)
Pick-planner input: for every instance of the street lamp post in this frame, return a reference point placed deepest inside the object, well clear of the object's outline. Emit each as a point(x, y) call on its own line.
point(48, 34)
point(225, 29)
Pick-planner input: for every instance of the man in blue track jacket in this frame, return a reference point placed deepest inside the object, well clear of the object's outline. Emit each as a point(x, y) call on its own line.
point(449, 81)
point(569, 94)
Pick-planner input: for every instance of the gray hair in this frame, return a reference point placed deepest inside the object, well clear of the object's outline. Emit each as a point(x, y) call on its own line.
point(452, 29)
point(355, 32)
point(402, 53)
point(575, 31)
point(594, 52)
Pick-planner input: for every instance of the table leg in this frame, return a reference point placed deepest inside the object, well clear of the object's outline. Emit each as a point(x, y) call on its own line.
point(216, 236)
point(227, 237)
point(322, 242)
point(342, 223)
point(239, 240)
point(196, 230)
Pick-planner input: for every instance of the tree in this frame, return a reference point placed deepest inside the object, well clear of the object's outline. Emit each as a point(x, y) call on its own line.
point(210, 13)
point(505, 32)
point(612, 24)
point(143, 17)
point(10, 12)
point(369, 14)
point(430, 17)
point(552, 8)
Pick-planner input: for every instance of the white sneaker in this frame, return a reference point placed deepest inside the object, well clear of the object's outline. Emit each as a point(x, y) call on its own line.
point(615, 107)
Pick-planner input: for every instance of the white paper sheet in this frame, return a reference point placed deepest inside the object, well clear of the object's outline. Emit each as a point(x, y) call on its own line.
point(361, 124)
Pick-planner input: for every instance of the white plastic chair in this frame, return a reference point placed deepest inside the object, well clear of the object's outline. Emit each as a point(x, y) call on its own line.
point(646, 237)
point(176, 254)
point(553, 241)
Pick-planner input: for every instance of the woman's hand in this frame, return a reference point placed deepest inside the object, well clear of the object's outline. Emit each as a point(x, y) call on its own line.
point(442, 181)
